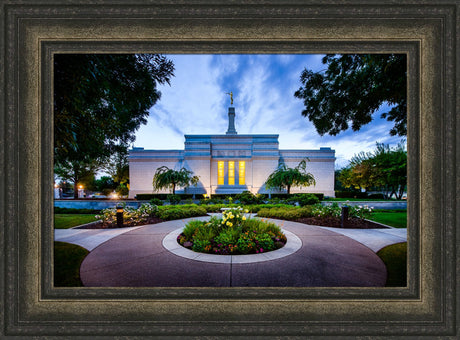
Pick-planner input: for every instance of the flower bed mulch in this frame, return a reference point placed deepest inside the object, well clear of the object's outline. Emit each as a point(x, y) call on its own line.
point(334, 222)
point(100, 225)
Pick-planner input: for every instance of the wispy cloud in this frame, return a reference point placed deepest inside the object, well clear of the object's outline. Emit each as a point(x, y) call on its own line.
point(263, 86)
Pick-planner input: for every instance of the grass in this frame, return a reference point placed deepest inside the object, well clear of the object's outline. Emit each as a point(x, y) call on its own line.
point(66, 221)
point(67, 261)
point(393, 218)
point(395, 259)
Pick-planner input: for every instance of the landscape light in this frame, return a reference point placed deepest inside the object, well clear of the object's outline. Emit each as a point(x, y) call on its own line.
point(119, 216)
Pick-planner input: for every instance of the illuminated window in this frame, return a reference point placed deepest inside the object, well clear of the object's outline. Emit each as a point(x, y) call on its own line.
point(231, 173)
point(220, 173)
point(242, 173)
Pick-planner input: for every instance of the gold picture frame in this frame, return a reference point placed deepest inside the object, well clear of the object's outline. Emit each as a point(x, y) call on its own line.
point(35, 30)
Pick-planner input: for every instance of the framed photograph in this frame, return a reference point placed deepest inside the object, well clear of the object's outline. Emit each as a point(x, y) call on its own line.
point(36, 31)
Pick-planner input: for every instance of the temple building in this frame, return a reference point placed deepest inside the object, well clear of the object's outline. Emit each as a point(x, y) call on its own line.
point(230, 163)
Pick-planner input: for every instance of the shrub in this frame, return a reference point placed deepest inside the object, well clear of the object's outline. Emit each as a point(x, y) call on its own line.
point(213, 208)
point(234, 233)
point(225, 239)
point(286, 212)
point(233, 217)
point(360, 211)
point(350, 194)
point(130, 215)
point(156, 201)
point(58, 210)
point(201, 246)
point(173, 212)
point(247, 197)
point(245, 243)
point(122, 190)
point(304, 199)
point(264, 242)
point(211, 201)
point(377, 196)
point(173, 199)
point(147, 197)
point(191, 228)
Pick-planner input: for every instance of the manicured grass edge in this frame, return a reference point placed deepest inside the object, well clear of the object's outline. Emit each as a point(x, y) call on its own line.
point(67, 221)
point(67, 261)
point(395, 258)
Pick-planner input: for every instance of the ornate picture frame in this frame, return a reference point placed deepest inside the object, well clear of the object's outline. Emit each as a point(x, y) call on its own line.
point(33, 31)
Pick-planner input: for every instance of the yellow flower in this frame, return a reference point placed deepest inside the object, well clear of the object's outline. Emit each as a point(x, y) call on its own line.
point(246, 211)
point(244, 218)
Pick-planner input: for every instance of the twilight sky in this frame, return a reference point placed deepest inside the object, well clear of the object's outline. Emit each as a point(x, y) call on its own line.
point(263, 89)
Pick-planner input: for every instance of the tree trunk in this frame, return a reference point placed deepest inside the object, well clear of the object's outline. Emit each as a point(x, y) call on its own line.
point(174, 188)
point(289, 189)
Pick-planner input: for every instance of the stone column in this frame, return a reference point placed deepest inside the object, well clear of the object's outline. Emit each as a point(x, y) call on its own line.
point(231, 121)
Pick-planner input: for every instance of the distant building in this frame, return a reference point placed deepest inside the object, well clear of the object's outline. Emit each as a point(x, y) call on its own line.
point(230, 163)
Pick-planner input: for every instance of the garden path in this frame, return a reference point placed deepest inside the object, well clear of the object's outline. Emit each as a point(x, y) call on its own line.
point(136, 258)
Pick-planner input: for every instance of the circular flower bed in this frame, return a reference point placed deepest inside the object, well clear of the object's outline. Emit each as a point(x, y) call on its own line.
point(232, 234)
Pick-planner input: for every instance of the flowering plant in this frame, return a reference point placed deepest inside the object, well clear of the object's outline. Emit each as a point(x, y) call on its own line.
point(233, 217)
point(233, 234)
point(130, 215)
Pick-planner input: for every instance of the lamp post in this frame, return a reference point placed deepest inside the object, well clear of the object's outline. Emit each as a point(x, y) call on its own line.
point(81, 192)
point(119, 216)
point(57, 191)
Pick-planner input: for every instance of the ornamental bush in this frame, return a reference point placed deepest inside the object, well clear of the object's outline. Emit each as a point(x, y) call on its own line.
point(131, 216)
point(177, 212)
point(234, 233)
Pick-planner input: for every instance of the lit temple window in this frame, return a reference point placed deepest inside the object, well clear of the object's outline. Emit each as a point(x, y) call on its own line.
point(231, 173)
point(242, 174)
point(220, 173)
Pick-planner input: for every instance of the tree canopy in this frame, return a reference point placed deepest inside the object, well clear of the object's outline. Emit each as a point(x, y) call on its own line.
point(285, 177)
point(100, 100)
point(165, 178)
point(352, 89)
point(384, 169)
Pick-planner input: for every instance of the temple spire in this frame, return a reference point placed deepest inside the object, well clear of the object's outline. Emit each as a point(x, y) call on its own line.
point(231, 117)
point(231, 121)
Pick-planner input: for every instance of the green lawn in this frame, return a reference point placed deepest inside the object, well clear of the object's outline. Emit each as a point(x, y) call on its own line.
point(66, 221)
point(393, 218)
point(395, 259)
point(67, 260)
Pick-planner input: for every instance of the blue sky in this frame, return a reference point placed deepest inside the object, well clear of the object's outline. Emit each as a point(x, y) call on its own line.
point(263, 89)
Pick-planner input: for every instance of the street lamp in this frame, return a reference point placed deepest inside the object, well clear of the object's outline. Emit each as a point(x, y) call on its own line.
point(119, 216)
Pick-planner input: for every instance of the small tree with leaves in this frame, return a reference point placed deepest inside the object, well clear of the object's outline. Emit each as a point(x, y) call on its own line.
point(285, 177)
point(165, 178)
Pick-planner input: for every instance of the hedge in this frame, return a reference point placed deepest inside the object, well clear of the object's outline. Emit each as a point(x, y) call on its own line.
point(350, 194)
point(286, 213)
point(177, 212)
point(148, 197)
point(58, 210)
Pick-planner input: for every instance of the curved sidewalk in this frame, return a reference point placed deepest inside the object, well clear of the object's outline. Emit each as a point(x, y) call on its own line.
point(137, 258)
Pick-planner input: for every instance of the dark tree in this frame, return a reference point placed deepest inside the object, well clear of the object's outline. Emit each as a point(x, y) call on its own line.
point(100, 100)
point(352, 89)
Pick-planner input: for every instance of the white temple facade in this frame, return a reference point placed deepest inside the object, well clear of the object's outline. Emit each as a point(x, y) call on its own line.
point(230, 163)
